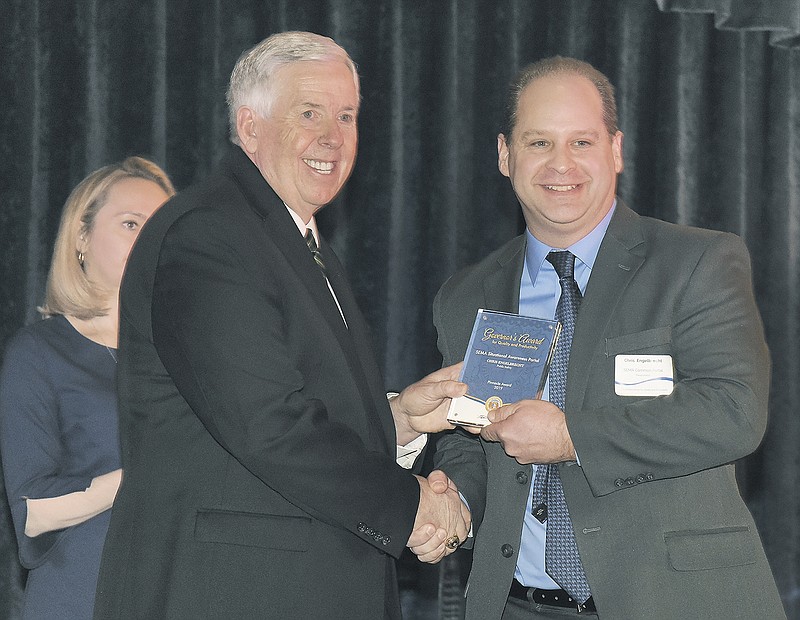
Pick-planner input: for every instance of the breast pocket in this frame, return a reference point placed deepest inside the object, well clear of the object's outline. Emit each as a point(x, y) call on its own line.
point(656, 340)
point(636, 365)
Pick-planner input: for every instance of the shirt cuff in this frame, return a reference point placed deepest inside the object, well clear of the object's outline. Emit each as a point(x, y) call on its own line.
point(407, 454)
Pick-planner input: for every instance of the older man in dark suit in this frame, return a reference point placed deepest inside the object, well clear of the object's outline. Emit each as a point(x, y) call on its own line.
point(631, 509)
point(259, 448)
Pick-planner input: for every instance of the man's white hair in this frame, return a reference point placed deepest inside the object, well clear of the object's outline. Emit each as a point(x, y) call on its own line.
point(251, 81)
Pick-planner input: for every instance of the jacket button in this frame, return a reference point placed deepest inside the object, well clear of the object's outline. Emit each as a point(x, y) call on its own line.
point(522, 477)
point(362, 527)
point(650, 476)
point(641, 478)
point(619, 482)
point(507, 551)
point(630, 481)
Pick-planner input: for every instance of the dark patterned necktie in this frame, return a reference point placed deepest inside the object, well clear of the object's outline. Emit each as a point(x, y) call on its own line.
point(312, 245)
point(561, 558)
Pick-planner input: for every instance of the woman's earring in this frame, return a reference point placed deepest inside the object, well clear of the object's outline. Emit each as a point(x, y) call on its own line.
point(80, 258)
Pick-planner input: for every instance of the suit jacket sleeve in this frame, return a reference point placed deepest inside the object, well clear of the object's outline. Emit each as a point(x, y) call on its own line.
point(459, 454)
point(704, 314)
point(268, 390)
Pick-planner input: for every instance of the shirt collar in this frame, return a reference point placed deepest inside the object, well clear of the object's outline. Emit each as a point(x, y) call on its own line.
point(301, 226)
point(585, 249)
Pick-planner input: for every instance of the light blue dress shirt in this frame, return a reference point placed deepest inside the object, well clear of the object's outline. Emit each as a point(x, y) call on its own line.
point(539, 291)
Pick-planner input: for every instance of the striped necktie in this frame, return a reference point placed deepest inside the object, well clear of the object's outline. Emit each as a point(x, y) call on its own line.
point(312, 245)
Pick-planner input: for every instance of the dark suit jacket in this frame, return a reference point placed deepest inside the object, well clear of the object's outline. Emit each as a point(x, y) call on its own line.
point(661, 528)
point(258, 446)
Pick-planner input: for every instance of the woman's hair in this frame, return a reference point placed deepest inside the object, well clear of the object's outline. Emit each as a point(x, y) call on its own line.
point(68, 290)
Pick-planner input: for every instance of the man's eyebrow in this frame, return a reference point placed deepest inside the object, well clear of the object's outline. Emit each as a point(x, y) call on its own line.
point(531, 133)
point(319, 106)
point(538, 133)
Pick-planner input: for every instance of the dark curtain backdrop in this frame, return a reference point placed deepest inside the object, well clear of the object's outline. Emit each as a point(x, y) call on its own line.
point(709, 100)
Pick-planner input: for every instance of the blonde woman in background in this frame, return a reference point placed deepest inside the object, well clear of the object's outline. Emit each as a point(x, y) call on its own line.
point(58, 409)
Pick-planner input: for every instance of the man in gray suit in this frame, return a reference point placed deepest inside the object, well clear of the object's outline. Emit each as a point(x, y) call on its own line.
point(666, 386)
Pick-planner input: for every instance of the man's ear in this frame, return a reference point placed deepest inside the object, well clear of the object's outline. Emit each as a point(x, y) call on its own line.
point(247, 129)
point(502, 154)
point(616, 150)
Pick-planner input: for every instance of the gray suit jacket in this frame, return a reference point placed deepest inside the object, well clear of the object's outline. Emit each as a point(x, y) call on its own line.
point(660, 525)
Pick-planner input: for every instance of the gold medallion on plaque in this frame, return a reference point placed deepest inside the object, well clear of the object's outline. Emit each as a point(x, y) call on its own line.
point(493, 402)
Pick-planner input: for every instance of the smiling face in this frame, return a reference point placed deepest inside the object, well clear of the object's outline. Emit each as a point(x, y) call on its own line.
point(306, 147)
point(128, 204)
point(561, 160)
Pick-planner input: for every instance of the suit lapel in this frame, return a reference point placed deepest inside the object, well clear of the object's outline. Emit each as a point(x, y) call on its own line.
point(293, 246)
point(280, 227)
point(501, 288)
point(362, 360)
point(621, 254)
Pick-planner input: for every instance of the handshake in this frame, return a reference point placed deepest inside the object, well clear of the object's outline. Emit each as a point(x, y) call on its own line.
point(443, 520)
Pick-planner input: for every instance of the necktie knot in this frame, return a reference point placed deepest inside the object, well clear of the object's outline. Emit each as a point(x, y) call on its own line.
point(564, 263)
point(314, 248)
point(310, 241)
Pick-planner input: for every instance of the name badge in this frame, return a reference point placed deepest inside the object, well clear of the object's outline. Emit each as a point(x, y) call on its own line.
point(643, 375)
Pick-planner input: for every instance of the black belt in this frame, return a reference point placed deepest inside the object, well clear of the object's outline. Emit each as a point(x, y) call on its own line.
point(555, 598)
